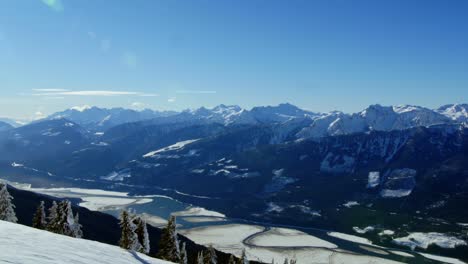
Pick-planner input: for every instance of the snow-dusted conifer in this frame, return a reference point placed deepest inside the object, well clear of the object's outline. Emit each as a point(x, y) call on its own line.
point(169, 243)
point(39, 219)
point(210, 256)
point(66, 223)
point(77, 232)
point(286, 261)
point(200, 258)
point(183, 254)
point(7, 208)
point(53, 218)
point(142, 234)
point(128, 239)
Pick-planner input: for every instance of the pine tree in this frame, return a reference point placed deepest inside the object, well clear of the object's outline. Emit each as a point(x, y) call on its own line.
point(210, 256)
point(243, 259)
point(53, 218)
point(128, 239)
point(142, 234)
point(7, 208)
point(77, 232)
point(200, 258)
point(183, 254)
point(169, 243)
point(39, 219)
point(286, 261)
point(66, 222)
point(293, 261)
point(232, 260)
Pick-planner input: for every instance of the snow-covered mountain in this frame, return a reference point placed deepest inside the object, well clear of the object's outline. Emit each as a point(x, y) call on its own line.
point(457, 112)
point(22, 244)
point(380, 118)
point(5, 126)
point(285, 117)
point(13, 123)
point(95, 118)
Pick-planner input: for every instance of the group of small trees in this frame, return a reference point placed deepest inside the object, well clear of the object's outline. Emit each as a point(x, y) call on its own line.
point(134, 233)
point(60, 219)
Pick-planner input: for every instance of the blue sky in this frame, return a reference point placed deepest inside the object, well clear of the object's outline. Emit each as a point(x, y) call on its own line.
point(320, 55)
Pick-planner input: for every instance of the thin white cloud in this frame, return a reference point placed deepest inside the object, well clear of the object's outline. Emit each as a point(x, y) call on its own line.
point(87, 93)
point(50, 90)
point(61, 93)
point(148, 95)
point(171, 100)
point(195, 92)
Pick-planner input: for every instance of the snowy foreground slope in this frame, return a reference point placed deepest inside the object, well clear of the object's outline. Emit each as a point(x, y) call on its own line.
point(22, 244)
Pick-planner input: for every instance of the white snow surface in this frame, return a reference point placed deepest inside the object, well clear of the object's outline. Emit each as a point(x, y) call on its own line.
point(289, 238)
point(350, 204)
point(442, 259)
point(374, 179)
point(176, 146)
point(351, 238)
point(198, 211)
point(387, 193)
point(363, 230)
point(25, 245)
point(228, 238)
point(424, 240)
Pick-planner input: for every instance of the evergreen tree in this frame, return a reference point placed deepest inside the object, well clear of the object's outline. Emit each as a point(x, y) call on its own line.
point(286, 261)
point(66, 220)
point(200, 258)
point(169, 243)
point(128, 239)
point(77, 232)
point(7, 208)
point(210, 256)
point(293, 261)
point(53, 218)
point(142, 234)
point(232, 260)
point(183, 254)
point(244, 259)
point(39, 219)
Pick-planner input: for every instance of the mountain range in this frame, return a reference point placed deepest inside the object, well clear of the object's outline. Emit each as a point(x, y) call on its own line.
point(403, 167)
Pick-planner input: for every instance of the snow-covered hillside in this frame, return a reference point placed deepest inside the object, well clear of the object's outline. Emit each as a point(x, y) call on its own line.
point(22, 244)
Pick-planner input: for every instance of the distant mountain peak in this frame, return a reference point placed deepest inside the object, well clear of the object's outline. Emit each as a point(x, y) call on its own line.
point(81, 108)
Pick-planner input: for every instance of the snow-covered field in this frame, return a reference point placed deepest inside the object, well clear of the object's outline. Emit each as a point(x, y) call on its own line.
point(351, 238)
point(203, 219)
point(289, 238)
point(99, 203)
point(198, 211)
point(93, 199)
point(442, 259)
point(25, 245)
point(424, 240)
point(285, 243)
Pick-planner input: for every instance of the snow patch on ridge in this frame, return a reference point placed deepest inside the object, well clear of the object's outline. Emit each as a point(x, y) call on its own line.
point(176, 146)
